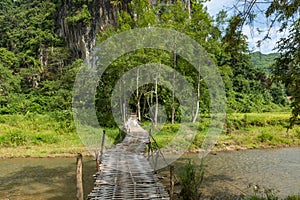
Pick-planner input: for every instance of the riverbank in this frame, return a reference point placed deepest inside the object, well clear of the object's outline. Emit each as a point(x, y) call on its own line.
point(258, 131)
point(36, 135)
point(240, 132)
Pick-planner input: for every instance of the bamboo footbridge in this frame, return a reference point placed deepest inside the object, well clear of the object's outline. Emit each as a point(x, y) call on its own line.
point(125, 171)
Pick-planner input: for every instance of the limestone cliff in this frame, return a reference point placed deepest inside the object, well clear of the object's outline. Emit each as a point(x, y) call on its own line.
point(80, 22)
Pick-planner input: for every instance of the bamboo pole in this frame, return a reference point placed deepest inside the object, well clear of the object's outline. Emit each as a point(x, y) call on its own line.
point(171, 182)
point(149, 145)
point(79, 187)
point(102, 146)
point(97, 161)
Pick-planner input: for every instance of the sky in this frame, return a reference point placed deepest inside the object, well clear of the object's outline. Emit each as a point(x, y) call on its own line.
point(214, 6)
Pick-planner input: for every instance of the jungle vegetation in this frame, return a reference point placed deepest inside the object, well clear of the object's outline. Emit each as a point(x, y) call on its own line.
point(38, 67)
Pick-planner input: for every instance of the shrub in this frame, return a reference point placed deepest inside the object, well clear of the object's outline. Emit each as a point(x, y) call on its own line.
point(293, 198)
point(190, 180)
point(17, 137)
point(264, 137)
point(14, 138)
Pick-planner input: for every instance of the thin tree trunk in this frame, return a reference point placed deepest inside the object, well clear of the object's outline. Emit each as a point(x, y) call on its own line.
point(173, 90)
point(188, 7)
point(198, 97)
point(138, 106)
point(124, 111)
point(121, 107)
point(156, 102)
point(123, 103)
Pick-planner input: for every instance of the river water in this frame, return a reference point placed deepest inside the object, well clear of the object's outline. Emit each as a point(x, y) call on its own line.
point(43, 178)
point(227, 173)
point(231, 173)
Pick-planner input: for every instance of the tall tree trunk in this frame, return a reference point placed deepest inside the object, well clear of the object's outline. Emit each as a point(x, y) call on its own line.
point(138, 106)
point(195, 115)
point(123, 103)
point(124, 111)
point(173, 90)
point(188, 7)
point(156, 101)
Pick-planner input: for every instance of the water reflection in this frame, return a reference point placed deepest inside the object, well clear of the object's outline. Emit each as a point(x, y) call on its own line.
point(42, 178)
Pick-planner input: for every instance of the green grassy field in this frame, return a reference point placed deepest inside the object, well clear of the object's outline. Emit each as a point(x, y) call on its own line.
point(52, 135)
point(259, 130)
point(240, 131)
point(37, 135)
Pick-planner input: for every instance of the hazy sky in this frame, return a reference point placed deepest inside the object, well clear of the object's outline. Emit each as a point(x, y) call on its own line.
point(214, 6)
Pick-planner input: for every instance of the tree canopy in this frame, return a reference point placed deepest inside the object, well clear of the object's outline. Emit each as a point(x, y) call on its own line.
point(38, 66)
point(286, 68)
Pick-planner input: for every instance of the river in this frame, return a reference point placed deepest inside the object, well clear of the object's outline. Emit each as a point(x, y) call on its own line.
point(227, 173)
point(231, 173)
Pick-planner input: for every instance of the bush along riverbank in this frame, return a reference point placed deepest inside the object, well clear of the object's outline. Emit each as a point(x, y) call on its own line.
point(54, 134)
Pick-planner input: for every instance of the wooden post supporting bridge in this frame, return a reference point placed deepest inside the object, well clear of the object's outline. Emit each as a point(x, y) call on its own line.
point(125, 172)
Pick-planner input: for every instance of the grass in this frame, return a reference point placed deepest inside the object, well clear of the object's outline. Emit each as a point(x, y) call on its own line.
point(258, 130)
point(241, 131)
point(43, 135)
point(54, 134)
point(37, 135)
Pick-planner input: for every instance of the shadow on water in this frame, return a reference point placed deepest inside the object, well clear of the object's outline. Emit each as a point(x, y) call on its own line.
point(44, 180)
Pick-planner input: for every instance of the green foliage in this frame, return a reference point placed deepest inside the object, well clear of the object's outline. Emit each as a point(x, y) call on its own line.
point(287, 66)
point(239, 121)
point(82, 16)
point(293, 197)
point(191, 178)
point(19, 138)
point(258, 130)
point(33, 59)
point(264, 61)
point(9, 81)
point(264, 137)
point(34, 129)
point(37, 69)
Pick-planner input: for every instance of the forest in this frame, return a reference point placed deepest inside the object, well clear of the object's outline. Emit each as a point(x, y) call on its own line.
point(44, 43)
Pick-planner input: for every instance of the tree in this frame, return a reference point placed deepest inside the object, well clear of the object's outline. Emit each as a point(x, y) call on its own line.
point(286, 68)
point(9, 81)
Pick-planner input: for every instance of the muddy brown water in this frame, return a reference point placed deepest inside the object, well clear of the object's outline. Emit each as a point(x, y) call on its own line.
point(43, 178)
point(227, 173)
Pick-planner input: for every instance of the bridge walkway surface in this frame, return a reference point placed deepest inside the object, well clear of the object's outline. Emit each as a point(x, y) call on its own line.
point(125, 171)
